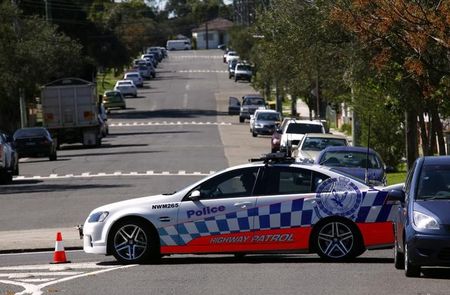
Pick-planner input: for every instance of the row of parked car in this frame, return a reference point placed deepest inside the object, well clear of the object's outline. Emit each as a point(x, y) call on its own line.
point(237, 69)
point(308, 140)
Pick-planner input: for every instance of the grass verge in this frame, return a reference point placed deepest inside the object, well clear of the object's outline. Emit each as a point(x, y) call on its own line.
point(394, 178)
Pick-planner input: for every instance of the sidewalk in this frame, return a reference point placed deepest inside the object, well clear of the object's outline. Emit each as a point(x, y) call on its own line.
point(38, 239)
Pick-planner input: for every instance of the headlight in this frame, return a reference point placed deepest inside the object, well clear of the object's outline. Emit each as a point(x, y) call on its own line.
point(98, 217)
point(423, 221)
point(259, 125)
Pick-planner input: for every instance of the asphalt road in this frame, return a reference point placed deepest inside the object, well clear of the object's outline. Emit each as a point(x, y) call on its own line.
point(173, 134)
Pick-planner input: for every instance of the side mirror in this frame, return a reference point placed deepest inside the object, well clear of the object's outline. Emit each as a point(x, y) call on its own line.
point(194, 196)
point(396, 195)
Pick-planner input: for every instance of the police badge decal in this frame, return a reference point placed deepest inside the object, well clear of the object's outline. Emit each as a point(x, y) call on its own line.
point(338, 196)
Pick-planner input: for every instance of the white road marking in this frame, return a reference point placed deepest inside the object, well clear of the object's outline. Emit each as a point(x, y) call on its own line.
point(116, 173)
point(24, 280)
point(165, 123)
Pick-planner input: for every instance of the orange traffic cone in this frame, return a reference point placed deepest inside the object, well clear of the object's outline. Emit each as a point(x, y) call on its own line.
point(60, 255)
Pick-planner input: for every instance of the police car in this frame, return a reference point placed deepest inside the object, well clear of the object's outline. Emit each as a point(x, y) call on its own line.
point(269, 205)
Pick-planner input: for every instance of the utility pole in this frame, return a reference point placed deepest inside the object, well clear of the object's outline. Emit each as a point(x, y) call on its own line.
point(48, 13)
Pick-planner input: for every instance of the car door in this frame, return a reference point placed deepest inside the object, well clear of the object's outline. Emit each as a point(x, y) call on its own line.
point(285, 207)
point(234, 106)
point(216, 216)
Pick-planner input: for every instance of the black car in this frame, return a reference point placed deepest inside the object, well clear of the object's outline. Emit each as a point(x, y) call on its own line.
point(422, 222)
point(34, 142)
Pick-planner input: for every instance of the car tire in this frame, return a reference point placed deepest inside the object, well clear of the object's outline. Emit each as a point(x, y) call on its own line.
point(241, 119)
point(254, 134)
point(135, 95)
point(6, 178)
point(411, 270)
point(53, 156)
point(134, 241)
point(399, 258)
point(337, 240)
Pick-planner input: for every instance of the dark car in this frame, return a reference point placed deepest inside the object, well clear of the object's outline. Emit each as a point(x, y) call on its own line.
point(422, 222)
point(34, 142)
point(9, 162)
point(356, 161)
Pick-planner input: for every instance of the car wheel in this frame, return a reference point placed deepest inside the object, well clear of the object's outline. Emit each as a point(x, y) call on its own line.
point(399, 258)
point(133, 241)
point(241, 120)
point(337, 240)
point(254, 134)
point(5, 178)
point(52, 156)
point(411, 270)
point(135, 95)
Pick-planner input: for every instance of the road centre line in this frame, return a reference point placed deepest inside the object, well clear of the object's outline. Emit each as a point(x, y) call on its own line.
point(116, 173)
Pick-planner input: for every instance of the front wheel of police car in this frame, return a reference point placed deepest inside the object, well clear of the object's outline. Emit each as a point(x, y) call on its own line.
point(134, 241)
point(337, 240)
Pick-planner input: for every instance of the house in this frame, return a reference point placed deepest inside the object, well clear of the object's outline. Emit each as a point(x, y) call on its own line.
point(212, 33)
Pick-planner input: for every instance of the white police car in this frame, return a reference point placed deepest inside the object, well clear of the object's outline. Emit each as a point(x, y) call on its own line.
point(274, 205)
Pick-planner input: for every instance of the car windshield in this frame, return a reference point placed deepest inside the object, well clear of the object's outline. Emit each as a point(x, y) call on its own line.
point(350, 159)
point(124, 84)
point(434, 182)
point(30, 132)
point(302, 128)
point(318, 144)
point(268, 117)
point(132, 76)
point(253, 101)
point(113, 96)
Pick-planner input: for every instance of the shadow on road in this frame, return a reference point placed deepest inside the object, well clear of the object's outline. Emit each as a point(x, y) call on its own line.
point(104, 146)
point(167, 113)
point(149, 133)
point(436, 273)
point(110, 153)
point(40, 188)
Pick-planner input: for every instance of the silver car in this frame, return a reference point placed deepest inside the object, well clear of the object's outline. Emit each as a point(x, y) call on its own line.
point(9, 162)
point(264, 122)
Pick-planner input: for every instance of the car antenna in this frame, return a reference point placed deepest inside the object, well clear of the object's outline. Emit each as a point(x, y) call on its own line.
point(366, 174)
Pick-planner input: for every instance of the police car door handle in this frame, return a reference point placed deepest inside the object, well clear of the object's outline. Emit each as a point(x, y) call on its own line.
point(242, 204)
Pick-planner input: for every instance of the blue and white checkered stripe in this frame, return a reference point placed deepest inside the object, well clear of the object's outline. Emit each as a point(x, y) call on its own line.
point(288, 214)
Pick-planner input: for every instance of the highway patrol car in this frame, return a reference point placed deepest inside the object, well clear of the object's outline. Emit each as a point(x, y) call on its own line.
point(272, 205)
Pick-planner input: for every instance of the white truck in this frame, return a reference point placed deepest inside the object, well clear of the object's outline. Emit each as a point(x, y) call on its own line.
point(70, 111)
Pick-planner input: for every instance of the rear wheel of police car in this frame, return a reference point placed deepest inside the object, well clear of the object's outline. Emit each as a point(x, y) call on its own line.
point(134, 241)
point(337, 240)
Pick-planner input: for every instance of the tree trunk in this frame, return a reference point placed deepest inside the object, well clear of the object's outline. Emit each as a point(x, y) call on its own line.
point(294, 106)
point(437, 127)
point(411, 137)
point(424, 135)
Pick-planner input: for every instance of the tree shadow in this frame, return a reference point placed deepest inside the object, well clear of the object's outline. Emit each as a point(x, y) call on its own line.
point(168, 113)
point(45, 187)
point(103, 146)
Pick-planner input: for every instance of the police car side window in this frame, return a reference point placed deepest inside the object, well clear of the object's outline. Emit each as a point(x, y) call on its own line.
point(285, 180)
point(237, 183)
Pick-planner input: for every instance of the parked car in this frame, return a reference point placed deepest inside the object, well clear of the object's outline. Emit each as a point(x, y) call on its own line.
point(135, 77)
point(294, 130)
point(9, 160)
point(264, 122)
point(249, 208)
point(126, 87)
point(113, 99)
point(231, 67)
point(230, 56)
point(313, 143)
point(250, 103)
point(34, 142)
point(276, 136)
point(361, 162)
point(422, 231)
point(243, 71)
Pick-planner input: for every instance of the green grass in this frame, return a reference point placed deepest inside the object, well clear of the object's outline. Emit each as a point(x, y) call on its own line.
point(108, 82)
point(394, 178)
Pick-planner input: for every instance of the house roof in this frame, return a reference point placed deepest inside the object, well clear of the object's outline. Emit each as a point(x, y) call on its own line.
point(217, 24)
